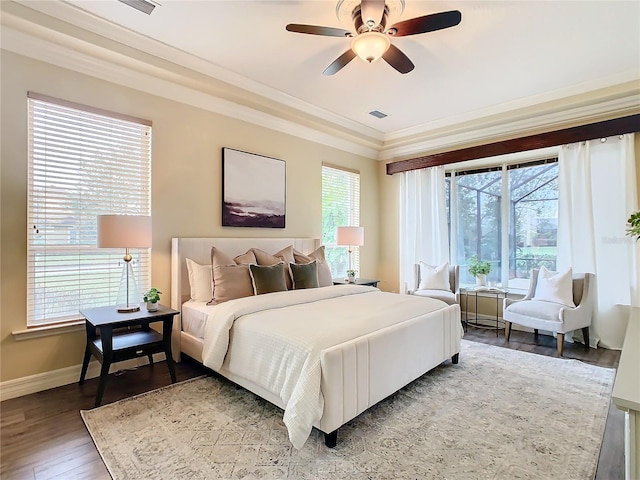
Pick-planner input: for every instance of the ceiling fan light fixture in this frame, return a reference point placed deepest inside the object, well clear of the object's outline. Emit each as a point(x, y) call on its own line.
point(370, 46)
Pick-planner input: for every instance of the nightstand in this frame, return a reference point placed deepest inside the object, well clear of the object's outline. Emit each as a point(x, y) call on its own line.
point(359, 281)
point(133, 338)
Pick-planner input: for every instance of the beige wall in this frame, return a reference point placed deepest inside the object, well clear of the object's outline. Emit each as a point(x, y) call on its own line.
point(186, 190)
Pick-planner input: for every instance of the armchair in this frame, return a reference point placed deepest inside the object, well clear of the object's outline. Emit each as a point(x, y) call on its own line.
point(554, 317)
point(451, 296)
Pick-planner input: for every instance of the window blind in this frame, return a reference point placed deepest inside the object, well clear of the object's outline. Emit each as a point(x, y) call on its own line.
point(81, 163)
point(340, 207)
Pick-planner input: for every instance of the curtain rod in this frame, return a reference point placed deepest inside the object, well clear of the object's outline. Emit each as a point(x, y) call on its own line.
point(590, 131)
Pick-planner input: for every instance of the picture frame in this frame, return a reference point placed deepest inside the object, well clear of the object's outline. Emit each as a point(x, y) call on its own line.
point(253, 190)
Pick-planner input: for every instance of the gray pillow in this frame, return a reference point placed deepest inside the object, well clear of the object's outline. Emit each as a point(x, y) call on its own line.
point(324, 272)
point(305, 275)
point(268, 278)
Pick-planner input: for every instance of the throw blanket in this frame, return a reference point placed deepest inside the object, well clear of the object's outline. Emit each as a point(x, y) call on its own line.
point(283, 334)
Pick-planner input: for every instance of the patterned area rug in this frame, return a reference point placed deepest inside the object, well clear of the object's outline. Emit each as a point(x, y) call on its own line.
point(498, 414)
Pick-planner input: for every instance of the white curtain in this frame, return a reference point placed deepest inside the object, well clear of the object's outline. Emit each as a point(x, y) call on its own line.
point(596, 195)
point(423, 222)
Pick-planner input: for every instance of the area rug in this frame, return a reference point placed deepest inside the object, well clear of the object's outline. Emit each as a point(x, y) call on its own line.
point(498, 414)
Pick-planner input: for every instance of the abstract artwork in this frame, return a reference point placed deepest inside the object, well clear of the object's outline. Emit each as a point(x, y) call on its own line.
point(253, 190)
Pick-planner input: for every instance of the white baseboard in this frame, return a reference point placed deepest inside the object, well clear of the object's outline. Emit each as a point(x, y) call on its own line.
point(64, 376)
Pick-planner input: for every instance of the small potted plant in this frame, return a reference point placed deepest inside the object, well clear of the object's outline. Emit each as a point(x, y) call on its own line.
point(633, 225)
point(351, 276)
point(152, 297)
point(479, 269)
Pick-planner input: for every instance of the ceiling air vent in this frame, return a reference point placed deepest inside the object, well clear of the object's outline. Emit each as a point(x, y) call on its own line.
point(378, 114)
point(142, 5)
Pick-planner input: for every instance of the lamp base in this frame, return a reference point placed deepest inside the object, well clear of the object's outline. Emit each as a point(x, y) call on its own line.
point(124, 309)
point(128, 299)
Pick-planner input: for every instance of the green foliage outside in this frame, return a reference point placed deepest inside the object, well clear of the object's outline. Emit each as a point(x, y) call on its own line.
point(335, 194)
point(532, 228)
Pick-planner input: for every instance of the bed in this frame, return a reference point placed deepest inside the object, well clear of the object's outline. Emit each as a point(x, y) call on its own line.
point(323, 355)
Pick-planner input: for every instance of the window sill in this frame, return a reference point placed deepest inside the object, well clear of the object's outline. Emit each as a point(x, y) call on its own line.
point(48, 330)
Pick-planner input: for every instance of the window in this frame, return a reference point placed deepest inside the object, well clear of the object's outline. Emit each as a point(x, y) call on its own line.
point(340, 208)
point(506, 215)
point(82, 163)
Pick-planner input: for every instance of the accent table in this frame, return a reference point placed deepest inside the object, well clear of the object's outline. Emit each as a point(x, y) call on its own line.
point(498, 293)
point(359, 281)
point(127, 343)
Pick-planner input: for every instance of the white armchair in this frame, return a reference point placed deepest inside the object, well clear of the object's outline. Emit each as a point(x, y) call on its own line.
point(554, 317)
point(451, 296)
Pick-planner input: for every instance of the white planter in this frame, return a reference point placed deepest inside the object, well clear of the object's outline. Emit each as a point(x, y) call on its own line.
point(351, 278)
point(481, 280)
point(152, 307)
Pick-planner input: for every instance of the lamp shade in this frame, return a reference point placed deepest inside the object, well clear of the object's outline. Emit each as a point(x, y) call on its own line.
point(370, 46)
point(124, 231)
point(350, 236)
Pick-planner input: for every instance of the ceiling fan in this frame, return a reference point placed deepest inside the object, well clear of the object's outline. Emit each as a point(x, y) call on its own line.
point(371, 38)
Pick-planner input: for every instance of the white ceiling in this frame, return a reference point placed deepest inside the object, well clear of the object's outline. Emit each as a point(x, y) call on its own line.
point(503, 55)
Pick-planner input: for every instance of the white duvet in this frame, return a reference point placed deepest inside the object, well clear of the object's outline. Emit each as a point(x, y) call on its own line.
point(275, 340)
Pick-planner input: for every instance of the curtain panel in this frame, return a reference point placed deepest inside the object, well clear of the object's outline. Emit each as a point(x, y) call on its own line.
point(423, 222)
point(596, 195)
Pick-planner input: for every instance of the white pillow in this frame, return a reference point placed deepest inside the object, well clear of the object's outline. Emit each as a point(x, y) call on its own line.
point(555, 287)
point(200, 281)
point(434, 278)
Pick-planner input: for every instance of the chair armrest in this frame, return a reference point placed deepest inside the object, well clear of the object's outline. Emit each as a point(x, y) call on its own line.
point(577, 316)
point(508, 301)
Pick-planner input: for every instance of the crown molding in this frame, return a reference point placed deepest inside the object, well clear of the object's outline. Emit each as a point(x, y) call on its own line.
point(116, 68)
point(66, 36)
point(74, 15)
point(517, 123)
point(571, 91)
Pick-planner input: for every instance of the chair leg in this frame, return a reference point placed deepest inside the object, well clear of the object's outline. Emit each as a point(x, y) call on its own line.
point(507, 330)
point(560, 343)
point(585, 334)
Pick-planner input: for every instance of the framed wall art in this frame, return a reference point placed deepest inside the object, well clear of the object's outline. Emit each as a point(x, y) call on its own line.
point(253, 190)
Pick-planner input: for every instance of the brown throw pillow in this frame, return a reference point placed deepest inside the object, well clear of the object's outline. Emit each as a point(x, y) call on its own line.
point(219, 258)
point(230, 279)
point(324, 272)
point(246, 258)
point(230, 282)
point(268, 278)
point(285, 255)
point(305, 275)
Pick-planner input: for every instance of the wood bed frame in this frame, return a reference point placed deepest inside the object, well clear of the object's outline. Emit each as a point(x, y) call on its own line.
point(356, 374)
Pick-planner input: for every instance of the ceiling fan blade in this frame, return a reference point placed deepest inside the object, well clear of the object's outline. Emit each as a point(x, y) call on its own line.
point(339, 62)
point(427, 23)
point(318, 30)
point(398, 60)
point(371, 10)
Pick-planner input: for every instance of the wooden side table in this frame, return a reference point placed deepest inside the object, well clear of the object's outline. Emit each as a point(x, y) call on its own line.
point(359, 281)
point(110, 347)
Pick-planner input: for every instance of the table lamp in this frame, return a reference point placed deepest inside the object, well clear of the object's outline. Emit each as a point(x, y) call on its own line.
point(350, 236)
point(125, 231)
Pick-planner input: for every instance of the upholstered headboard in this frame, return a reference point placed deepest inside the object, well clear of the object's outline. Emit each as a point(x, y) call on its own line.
point(199, 250)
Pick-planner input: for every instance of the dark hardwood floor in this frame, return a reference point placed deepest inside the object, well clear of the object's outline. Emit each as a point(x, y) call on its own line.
point(43, 436)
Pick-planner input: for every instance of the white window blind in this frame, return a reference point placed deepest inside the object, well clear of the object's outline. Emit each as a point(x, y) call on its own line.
point(83, 162)
point(340, 207)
